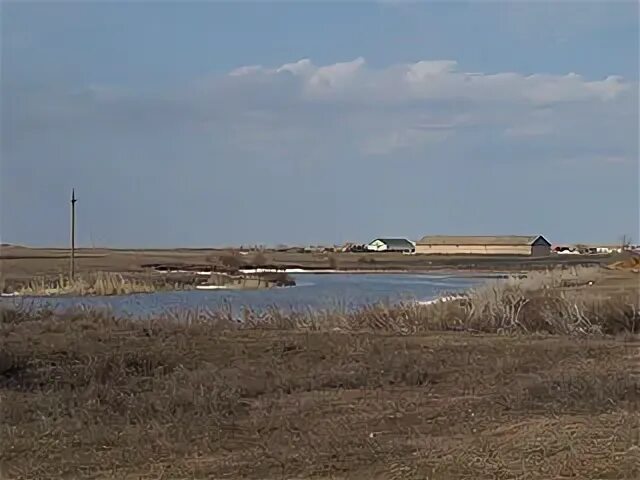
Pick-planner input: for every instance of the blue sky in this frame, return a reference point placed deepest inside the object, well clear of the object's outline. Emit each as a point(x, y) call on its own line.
point(204, 123)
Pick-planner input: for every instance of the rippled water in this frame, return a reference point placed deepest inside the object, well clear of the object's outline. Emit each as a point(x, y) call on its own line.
point(312, 291)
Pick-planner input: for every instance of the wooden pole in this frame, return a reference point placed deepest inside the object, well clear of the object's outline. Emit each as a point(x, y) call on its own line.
point(73, 233)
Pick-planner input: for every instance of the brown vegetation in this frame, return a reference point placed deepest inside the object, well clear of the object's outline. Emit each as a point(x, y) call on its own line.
point(101, 283)
point(557, 301)
point(407, 392)
point(232, 262)
point(631, 262)
point(110, 283)
point(251, 281)
point(259, 259)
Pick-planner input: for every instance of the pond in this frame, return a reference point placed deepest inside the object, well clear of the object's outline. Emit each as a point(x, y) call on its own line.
point(317, 291)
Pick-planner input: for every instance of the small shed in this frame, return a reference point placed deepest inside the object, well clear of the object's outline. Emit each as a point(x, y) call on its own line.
point(391, 245)
point(533, 245)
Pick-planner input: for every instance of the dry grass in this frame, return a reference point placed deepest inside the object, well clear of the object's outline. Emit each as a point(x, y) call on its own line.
point(542, 302)
point(382, 393)
point(98, 283)
point(524, 379)
point(110, 283)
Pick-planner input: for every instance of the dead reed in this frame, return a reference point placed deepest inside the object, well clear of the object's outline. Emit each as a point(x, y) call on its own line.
point(96, 283)
point(541, 302)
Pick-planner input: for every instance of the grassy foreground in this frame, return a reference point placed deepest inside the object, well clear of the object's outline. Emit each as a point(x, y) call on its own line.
point(516, 382)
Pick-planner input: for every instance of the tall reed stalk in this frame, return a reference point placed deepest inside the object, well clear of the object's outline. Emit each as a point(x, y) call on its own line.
point(98, 283)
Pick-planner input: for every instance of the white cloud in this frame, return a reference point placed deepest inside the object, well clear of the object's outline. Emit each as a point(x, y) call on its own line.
point(335, 77)
point(407, 108)
point(426, 70)
point(352, 81)
point(301, 67)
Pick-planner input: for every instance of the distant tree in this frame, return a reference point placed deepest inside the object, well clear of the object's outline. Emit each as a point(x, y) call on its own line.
point(259, 259)
point(231, 262)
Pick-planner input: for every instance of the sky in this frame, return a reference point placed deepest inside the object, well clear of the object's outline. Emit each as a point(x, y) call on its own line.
point(194, 124)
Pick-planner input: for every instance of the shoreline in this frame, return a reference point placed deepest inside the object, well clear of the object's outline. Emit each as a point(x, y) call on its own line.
point(295, 271)
point(488, 273)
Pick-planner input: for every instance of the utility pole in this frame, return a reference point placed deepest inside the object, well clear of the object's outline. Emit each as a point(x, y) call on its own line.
point(73, 233)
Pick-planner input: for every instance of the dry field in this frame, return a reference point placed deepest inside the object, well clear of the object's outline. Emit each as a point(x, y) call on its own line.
point(514, 384)
point(19, 263)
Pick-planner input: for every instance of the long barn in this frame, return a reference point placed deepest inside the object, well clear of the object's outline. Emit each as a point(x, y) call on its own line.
point(533, 245)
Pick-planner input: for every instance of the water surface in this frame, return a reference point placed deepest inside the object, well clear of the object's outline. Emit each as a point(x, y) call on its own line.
point(318, 291)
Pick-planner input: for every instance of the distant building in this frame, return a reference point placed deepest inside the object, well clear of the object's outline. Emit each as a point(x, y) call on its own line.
point(391, 245)
point(534, 245)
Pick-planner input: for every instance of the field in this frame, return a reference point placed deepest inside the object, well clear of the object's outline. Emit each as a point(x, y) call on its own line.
point(20, 263)
point(520, 382)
